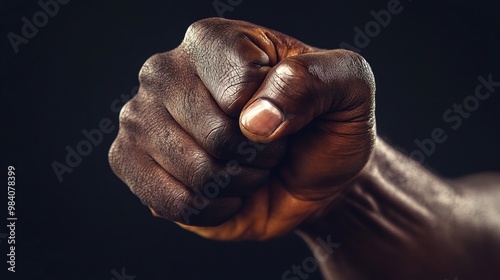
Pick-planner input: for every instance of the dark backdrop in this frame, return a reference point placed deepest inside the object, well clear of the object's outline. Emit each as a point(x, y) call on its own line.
point(65, 78)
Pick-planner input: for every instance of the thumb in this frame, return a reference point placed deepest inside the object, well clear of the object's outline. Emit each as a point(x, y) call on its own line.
point(337, 85)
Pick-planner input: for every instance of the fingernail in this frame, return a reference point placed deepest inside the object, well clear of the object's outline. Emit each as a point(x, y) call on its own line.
point(261, 118)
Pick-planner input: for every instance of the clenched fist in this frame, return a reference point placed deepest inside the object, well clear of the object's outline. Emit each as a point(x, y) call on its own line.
point(242, 132)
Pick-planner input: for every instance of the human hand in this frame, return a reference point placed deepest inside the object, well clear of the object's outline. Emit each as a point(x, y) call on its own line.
point(183, 146)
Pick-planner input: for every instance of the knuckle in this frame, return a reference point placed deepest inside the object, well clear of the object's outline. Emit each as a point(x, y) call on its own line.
point(201, 168)
point(154, 70)
point(291, 69)
point(291, 79)
point(124, 158)
point(167, 204)
point(352, 56)
point(208, 174)
point(115, 157)
point(201, 27)
point(160, 193)
point(227, 59)
point(196, 28)
point(125, 112)
point(361, 76)
point(212, 178)
point(130, 128)
point(129, 115)
point(357, 65)
point(219, 141)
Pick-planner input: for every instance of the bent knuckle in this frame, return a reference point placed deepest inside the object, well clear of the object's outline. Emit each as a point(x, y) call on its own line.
point(130, 116)
point(209, 177)
point(155, 70)
point(200, 167)
point(201, 27)
point(220, 140)
point(291, 79)
point(359, 69)
point(115, 157)
point(352, 57)
point(167, 202)
point(125, 158)
point(291, 71)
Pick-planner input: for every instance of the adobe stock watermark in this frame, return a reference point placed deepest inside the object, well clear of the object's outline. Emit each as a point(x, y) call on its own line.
point(30, 27)
point(381, 19)
point(92, 138)
point(454, 118)
point(221, 180)
point(310, 265)
point(222, 6)
point(122, 275)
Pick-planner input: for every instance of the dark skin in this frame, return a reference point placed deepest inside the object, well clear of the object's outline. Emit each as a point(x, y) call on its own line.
point(317, 166)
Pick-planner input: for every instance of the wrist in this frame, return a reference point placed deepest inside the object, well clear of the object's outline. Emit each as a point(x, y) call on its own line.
point(394, 208)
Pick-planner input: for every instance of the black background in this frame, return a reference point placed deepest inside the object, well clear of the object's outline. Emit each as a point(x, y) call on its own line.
point(67, 76)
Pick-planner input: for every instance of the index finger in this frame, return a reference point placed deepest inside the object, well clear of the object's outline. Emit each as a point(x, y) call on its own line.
point(232, 58)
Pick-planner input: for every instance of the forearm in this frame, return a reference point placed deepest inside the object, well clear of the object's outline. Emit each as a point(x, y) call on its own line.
point(396, 213)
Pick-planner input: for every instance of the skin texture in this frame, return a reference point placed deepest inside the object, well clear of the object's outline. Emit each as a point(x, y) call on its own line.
point(244, 133)
point(186, 125)
point(400, 221)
